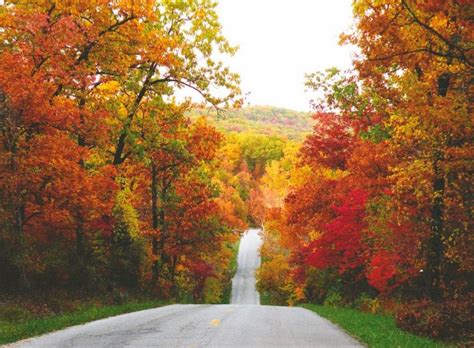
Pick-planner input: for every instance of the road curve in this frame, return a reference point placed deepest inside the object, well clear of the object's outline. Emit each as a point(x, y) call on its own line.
point(203, 326)
point(243, 284)
point(244, 323)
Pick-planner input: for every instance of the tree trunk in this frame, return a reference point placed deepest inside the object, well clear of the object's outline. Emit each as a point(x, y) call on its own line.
point(80, 235)
point(435, 243)
point(80, 249)
point(18, 207)
point(154, 218)
point(23, 282)
point(119, 157)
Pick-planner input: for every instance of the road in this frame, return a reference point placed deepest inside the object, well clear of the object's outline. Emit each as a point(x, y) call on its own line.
point(244, 323)
point(243, 284)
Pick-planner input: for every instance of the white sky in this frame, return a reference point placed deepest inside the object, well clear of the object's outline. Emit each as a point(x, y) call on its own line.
point(280, 41)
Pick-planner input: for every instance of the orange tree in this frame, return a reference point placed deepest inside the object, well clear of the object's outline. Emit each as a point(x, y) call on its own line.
point(83, 73)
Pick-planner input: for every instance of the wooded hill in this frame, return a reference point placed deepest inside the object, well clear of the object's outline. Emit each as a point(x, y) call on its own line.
point(267, 120)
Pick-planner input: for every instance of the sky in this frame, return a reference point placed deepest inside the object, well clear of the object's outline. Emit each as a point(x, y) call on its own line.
point(280, 41)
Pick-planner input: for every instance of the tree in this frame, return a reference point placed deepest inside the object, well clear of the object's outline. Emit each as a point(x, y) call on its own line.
point(331, 142)
point(417, 56)
point(89, 79)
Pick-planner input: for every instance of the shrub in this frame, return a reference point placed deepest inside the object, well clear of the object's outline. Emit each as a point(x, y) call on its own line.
point(120, 296)
point(212, 290)
point(451, 319)
point(14, 314)
point(321, 283)
point(366, 303)
point(273, 280)
point(333, 299)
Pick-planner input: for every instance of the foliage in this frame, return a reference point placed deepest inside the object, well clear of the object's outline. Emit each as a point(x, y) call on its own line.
point(106, 185)
point(264, 120)
point(110, 185)
point(386, 206)
point(449, 320)
point(272, 281)
point(333, 299)
point(127, 250)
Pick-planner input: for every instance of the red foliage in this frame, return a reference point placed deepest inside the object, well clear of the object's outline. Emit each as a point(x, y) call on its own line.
point(331, 142)
point(200, 269)
point(382, 269)
point(340, 244)
point(451, 319)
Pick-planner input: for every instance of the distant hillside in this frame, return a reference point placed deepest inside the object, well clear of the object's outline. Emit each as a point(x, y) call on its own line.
point(267, 120)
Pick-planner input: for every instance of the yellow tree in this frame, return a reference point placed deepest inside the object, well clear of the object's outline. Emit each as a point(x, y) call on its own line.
point(418, 56)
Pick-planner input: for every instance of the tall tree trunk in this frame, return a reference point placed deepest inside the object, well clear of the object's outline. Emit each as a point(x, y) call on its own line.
point(174, 288)
point(80, 233)
point(435, 250)
point(23, 282)
point(155, 223)
point(11, 132)
point(435, 243)
point(163, 231)
point(80, 248)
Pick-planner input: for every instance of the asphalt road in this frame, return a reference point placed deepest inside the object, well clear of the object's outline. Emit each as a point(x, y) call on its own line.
point(241, 324)
point(243, 284)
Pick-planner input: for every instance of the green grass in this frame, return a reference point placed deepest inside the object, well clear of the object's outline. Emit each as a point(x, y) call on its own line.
point(235, 254)
point(11, 331)
point(372, 329)
point(232, 269)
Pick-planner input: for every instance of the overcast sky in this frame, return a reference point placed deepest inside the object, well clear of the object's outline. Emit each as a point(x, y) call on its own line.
point(280, 41)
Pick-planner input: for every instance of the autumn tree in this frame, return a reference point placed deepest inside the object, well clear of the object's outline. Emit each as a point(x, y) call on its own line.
point(423, 48)
point(88, 77)
point(386, 207)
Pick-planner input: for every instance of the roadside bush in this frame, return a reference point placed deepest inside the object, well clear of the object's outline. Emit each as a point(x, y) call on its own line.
point(120, 296)
point(333, 299)
point(450, 320)
point(14, 314)
point(273, 280)
point(320, 283)
point(366, 303)
point(212, 290)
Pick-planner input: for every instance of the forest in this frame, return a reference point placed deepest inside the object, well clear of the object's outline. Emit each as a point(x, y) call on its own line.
point(265, 120)
point(377, 209)
point(113, 187)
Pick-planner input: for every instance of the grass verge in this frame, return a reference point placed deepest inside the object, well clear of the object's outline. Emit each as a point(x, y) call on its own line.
point(14, 331)
point(372, 329)
point(232, 269)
